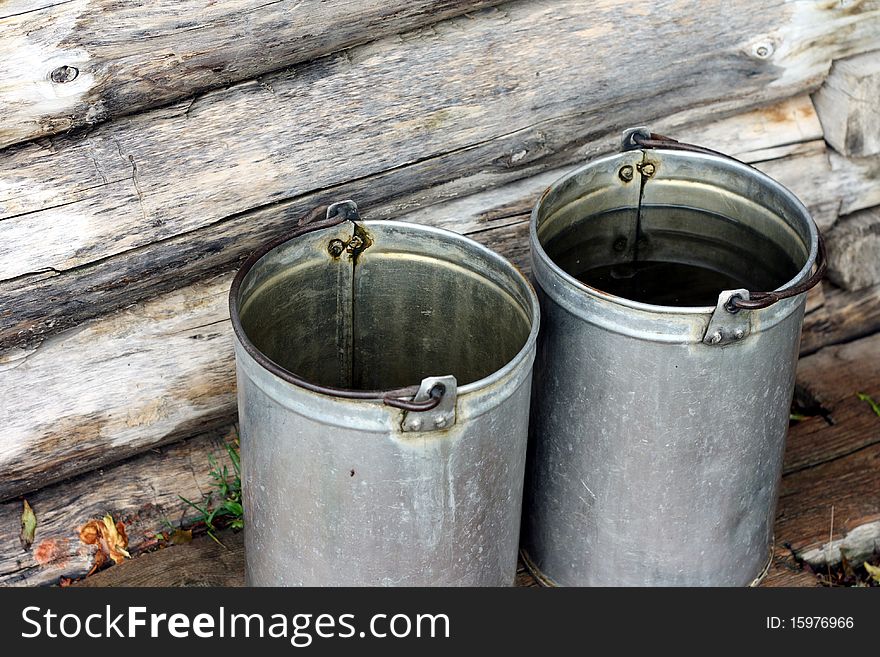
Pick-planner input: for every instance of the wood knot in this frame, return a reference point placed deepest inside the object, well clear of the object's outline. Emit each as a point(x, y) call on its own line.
point(64, 74)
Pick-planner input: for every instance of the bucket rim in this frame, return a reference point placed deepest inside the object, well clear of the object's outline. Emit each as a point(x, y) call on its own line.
point(351, 394)
point(716, 160)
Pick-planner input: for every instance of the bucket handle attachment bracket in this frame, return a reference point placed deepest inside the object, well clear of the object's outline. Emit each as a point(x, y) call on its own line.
point(359, 242)
point(728, 324)
point(433, 406)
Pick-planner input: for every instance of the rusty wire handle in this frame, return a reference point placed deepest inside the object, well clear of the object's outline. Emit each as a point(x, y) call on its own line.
point(653, 140)
point(756, 300)
point(436, 394)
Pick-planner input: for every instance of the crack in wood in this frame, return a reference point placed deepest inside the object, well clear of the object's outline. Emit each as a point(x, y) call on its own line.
point(835, 457)
point(36, 9)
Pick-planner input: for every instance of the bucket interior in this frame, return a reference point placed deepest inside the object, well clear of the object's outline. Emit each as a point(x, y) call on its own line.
point(415, 303)
point(676, 239)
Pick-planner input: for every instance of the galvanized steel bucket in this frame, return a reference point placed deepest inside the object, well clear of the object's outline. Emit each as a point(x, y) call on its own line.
point(384, 374)
point(659, 411)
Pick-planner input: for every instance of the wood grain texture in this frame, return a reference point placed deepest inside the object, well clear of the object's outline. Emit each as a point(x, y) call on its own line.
point(142, 492)
point(854, 250)
point(102, 392)
point(787, 129)
point(856, 180)
point(848, 484)
point(495, 93)
point(131, 56)
point(204, 563)
point(843, 316)
point(200, 563)
point(830, 380)
point(785, 571)
point(37, 306)
point(847, 103)
point(833, 459)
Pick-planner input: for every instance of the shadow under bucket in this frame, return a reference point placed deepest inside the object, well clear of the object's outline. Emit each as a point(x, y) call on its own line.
point(664, 375)
point(384, 373)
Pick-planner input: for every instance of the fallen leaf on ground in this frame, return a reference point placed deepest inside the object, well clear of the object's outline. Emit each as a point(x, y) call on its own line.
point(110, 538)
point(181, 536)
point(28, 526)
point(873, 571)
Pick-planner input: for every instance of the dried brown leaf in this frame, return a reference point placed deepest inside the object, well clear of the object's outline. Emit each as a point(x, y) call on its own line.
point(117, 541)
point(100, 560)
point(110, 538)
point(90, 533)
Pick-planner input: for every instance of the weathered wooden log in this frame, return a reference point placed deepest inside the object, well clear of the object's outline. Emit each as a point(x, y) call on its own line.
point(854, 251)
point(134, 380)
point(833, 465)
point(843, 316)
point(767, 134)
point(37, 306)
point(496, 94)
point(69, 64)
point(143, 492)
point(200, 563)
point(856, 181)
point(848, 104)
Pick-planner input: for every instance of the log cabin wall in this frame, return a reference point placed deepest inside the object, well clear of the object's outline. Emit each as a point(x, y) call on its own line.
point(147, 148)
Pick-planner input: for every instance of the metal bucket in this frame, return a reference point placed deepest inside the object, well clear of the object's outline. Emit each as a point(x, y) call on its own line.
point(659, 411)
point(384, 374)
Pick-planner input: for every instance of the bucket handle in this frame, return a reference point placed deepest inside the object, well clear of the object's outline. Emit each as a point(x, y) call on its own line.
point(435, 395)
point(758, 300)
point(641, 137)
